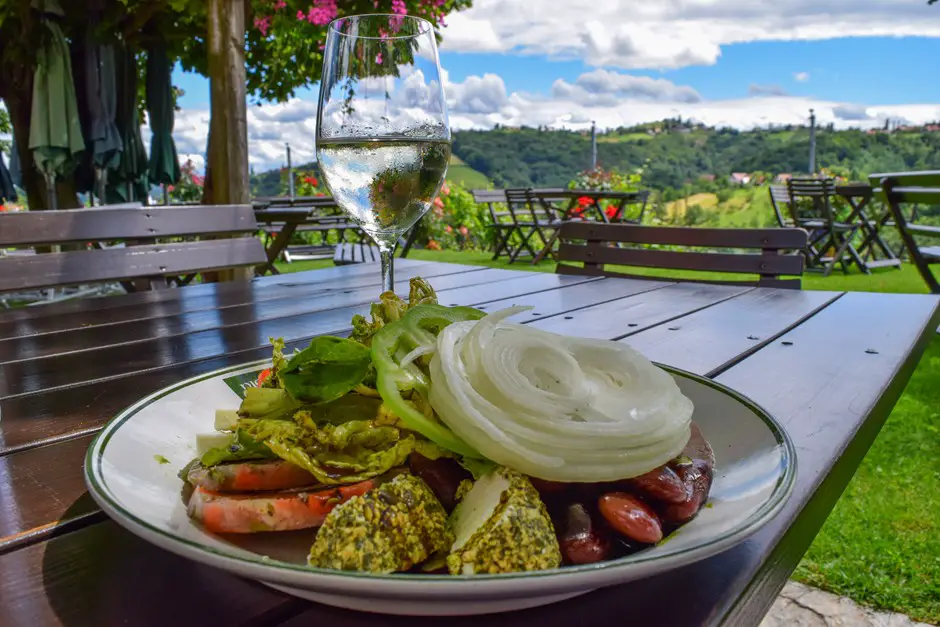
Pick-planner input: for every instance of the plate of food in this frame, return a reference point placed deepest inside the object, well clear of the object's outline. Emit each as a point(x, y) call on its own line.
point(443, 461)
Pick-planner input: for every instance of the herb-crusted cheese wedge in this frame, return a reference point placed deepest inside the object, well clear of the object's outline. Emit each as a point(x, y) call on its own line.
point(502, 526)
point(391, 528)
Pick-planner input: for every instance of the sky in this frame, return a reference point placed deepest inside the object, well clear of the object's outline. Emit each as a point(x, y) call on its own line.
point(564, 64)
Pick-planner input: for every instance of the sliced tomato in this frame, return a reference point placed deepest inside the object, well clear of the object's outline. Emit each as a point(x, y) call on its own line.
point(263, 376)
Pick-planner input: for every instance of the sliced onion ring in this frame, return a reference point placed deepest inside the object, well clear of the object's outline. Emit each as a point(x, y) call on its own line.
point(556, 407)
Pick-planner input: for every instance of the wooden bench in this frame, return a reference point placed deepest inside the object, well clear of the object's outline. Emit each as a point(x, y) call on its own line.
point(143, 256)
point(595, 245)
point(906, 188)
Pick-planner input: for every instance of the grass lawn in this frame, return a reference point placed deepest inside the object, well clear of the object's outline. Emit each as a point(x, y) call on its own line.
point(881, 544)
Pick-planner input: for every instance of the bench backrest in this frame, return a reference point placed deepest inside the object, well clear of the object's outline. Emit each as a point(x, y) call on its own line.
point(780, 201)
point(142, 226)
point(596, 244)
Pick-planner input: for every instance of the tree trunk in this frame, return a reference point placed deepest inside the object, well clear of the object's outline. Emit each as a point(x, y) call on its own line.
point(227, 163)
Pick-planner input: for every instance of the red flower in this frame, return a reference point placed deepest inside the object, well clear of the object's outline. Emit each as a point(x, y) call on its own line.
point(432, 245)
point(464, 231)
point(448, 229)
point(611, 212)
point(263, 376)
point(438, 203)
point(585, 201)
point(309, 180)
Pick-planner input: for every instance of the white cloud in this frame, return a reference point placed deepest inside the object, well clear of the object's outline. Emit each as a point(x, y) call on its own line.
point(610, 98)
point(643, 34)
point(801, 77)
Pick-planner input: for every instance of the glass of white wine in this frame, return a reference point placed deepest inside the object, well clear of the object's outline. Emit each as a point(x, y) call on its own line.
point(383, 139)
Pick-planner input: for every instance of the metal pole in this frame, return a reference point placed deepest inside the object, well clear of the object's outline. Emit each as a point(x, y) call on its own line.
point(812, 142)
point(290, 174)
point(593, 146)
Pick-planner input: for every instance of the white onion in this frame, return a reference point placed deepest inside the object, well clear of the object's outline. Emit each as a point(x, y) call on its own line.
point(556, 407)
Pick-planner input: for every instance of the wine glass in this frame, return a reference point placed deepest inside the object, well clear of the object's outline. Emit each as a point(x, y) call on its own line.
point(383, 139)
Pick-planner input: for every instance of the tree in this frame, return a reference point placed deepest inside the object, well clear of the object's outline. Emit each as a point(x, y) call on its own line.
point(5, 128)
point(283, 44)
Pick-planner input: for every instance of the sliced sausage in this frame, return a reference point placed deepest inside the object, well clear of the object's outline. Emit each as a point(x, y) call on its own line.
point(583, 540)
point(661, 484)
point(631, 517)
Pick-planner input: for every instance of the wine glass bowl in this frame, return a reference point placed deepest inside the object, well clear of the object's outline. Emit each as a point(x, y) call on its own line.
point(383, 138)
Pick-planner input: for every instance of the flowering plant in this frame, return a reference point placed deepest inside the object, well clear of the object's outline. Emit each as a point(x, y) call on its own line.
point(600, 179)
point(189, 187)
point(455, 221)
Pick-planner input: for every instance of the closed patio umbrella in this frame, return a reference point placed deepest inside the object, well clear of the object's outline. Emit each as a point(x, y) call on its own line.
point(97, 102)
point(16, 173)
point(7, 191)
point(164, 162)
point(128, 181)
point(55, 134)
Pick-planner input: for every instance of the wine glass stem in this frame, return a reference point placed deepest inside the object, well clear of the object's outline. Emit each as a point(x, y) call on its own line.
point(388, 271)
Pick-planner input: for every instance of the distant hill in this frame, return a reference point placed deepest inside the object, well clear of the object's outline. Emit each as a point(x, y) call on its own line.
point(674, 156)
point(269, 183)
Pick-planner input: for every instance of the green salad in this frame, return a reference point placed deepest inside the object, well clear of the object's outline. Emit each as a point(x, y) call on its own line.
point(444, 439)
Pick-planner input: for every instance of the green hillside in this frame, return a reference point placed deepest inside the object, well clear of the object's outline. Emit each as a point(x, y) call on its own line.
point(462, 174)
point(674, 154)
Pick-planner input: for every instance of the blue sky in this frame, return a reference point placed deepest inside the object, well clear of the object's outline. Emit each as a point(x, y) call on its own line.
point(870, 70)
point(741, 63)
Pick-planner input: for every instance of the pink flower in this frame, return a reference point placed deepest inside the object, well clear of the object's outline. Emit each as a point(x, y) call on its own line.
point(445, 189)
point(449, 229)
point(280, 4)
point(464, 231)
point(399, 7)
point(301, 16)
point(322, 12)
point(263, 24)
point(438, 203)
point(378, 58)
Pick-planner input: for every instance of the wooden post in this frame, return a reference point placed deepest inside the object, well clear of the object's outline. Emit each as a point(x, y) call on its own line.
point(228, 126)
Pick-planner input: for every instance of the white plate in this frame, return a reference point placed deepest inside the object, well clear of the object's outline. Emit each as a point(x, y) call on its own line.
point(128, 477)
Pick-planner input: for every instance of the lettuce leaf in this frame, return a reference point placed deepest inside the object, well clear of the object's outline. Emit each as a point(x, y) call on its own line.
point(243, 447)
point(329, 368)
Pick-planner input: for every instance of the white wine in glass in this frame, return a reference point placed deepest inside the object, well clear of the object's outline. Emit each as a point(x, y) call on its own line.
point(383, 139)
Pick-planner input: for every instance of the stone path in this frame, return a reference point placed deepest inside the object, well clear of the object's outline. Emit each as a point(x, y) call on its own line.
point(803, 606)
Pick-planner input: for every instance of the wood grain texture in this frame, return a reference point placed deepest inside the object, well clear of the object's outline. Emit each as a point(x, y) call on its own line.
point(617, 318)
point(107, 224)
point(294, 301)
point(709, 340)
point(686, 236)
point(102, 576)
point(118, 264)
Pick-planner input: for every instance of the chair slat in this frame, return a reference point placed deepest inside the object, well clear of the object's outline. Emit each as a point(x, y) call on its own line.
point(746, 263)
point(119, 264)
point(90, 225)
point(927, 178)
point(687, 236)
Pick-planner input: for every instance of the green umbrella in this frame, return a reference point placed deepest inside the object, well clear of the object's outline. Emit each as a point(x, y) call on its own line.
point(164, 163)
point(128, 181)
point(55, 134)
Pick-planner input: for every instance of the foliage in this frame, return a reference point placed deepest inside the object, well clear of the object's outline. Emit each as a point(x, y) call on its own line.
point(600, 179)
point(5, 128)
point(455, 222)
point(528, 157)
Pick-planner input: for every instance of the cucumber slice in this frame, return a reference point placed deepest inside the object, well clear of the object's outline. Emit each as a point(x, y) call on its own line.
point(206, 441)
point(226, 419)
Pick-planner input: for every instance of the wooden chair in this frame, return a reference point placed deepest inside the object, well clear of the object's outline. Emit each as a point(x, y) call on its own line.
point(142, 257)
point(534, 216)
point(906, 188)
point(501, 222)
point(826, 233)
point(780, 201)
point(595, 245)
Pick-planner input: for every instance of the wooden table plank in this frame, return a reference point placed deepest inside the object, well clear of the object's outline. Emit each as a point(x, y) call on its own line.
point(206, 297)
point(609, 320)
point(290, 302)
point(231, 333)
point(705, 341)
point(45, 416)
point(103, 576)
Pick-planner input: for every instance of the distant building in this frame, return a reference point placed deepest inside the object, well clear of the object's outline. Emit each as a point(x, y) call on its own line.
point(783, 177)
point(740, 178)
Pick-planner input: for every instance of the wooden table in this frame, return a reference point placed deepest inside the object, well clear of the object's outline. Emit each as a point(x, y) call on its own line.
point(829, 365)
point(859, 197)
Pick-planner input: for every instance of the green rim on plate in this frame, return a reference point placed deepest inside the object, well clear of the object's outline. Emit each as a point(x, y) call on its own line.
point(96, 484)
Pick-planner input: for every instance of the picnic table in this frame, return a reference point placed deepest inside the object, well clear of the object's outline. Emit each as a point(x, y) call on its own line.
point(549, 198)
point(828, 365)
point(874, 251)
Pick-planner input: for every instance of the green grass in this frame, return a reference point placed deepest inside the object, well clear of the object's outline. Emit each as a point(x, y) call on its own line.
point(462, 174)
point(881, 544)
